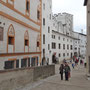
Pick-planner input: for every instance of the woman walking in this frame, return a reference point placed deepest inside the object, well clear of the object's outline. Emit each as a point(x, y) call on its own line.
point(61, 70)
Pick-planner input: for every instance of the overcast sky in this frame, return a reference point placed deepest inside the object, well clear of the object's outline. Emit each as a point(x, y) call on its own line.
point(74, 7)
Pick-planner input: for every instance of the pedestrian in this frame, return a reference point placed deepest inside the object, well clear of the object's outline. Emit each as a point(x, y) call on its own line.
point(73, 65)
point(61, 69)
point(64, 61)
point(67, 71)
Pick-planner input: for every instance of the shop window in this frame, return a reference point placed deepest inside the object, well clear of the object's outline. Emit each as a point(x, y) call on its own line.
point(17, 63)
point(9, 65)
point(11, 40)
point(33, 62)
point(23, 63)
point(29, 62)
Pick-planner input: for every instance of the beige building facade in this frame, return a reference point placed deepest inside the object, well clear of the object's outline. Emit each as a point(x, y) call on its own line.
point(20, 33)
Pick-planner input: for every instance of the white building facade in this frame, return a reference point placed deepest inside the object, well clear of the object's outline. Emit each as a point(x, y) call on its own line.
point(62, 40)
point(46, 31)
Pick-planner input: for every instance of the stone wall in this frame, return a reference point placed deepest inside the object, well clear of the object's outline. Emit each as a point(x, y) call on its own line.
point(44, 71)
point(11, 79)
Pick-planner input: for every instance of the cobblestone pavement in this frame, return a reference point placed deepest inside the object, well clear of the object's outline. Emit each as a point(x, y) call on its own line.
point(77, 81)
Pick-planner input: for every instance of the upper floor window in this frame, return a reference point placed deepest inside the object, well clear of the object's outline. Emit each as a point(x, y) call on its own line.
point(27, 6)
point(43, 38)
point(44, 21)
point(63, 46)
point(1, 33)
point(71, 47)
point(44, 6)
point(11, 40)
point(37, 43)
point(48, 29)
point(38, 14)
point(59, 45)
point(26, 38)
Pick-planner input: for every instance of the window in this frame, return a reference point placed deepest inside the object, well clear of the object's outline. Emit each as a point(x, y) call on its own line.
point(9, 65)
point(1, 33)
point(43, 6)
point(38, 14)
point(48, 46)
point(63, 54)
point(59, 37)
point(63, 46)
point(37, 43)
point(59, 55)
point(28, 62)
point(53, 45)
point(26, 42)
point(11, 40)
point(44, 39)
point(23, 63)
point(71, 47)
point(59, 45)
point(50, 17)
point(67, 54)
point(75, 48)
point(44, 21)
point(43, 52)
point(17, 63)
point(48, 29)
point(63, 39)
point(27, 6)
point(67, 46)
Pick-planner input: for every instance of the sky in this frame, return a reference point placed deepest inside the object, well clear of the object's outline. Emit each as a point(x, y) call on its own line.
point(74, 7)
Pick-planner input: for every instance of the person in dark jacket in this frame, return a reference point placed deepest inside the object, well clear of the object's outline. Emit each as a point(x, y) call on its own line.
point(61, 70)
point(67, 71)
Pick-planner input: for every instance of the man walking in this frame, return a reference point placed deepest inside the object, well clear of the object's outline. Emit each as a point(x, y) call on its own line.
point(67, 71)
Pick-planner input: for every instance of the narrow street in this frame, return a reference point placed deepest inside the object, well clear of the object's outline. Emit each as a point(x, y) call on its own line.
point(77, 81)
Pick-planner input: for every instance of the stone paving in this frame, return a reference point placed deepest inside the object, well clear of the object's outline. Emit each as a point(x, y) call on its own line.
point(77, 81)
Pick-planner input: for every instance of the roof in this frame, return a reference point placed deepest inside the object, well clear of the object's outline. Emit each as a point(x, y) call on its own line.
point(85, 2)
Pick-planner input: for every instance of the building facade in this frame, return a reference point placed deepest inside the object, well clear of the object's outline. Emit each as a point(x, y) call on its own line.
point(46, 31)
point(87, 3)
point(62, 40)
point(20, 33)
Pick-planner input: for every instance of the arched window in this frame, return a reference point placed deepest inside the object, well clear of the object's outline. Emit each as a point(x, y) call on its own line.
point(38, 43)
point(26, 40)
point(11, 37)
